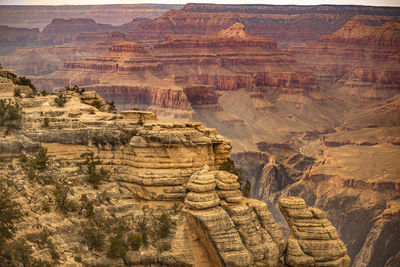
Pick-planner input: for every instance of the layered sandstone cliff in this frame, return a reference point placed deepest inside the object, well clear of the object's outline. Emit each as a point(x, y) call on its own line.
point(159, 181)
point(40, 16)
point(231, 59)
point(361, 59)
point(45, 60)
point(286, 24)
point(12, 37)
point(64, 30)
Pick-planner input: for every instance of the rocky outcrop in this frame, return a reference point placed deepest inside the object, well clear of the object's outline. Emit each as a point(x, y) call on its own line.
point(45, 60)
point(313, 241)
point(125, 56)
point(155, 177)
point(242, 231)
point(201, 94)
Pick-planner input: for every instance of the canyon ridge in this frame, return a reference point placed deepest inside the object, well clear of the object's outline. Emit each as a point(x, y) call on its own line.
point(308, 96)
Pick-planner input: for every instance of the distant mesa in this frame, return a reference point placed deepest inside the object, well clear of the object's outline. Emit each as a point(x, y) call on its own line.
point(355, 31)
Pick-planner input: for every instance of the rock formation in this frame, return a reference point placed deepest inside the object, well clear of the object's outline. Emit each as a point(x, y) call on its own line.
point(40, 16)
point(313, 241)
point(12, 37)
point(319, 120)
point(189, 66)
point(64, 30)
point(287, 24)
point(45, 60)
point(363, 58)
point(160, 198)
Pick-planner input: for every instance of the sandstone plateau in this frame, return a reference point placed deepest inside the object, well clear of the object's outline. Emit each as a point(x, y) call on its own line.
point(161, 180)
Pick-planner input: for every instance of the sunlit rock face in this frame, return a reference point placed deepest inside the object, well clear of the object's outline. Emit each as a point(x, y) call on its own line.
point(155, 177)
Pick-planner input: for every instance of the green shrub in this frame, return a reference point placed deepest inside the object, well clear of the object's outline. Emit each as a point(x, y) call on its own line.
point(40, 160)
point(246, 189)
point(45, 123)
point(44, 93)
point(164, 226)
point(165, 246)
point(10, 213)
point(229, 166)
point(111, 107)
point(93, 176)
point(61, 99)
point(45, 206)
point(75, 89)
point(64, 204)
point(78, 258)
point(97, 104)
point(143, 231)
point(33, 166)
point(118, 247)
point(135, 241)
point(10, 114)
point(22, 252)
point(25, 81)
point(86, 205)
point(93, 233)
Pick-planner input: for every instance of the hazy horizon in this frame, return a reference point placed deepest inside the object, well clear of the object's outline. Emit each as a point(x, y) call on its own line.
point(393, 3)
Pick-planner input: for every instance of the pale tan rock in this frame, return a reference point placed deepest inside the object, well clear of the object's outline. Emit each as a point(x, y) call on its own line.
point(313, 241)
point(221, 231)
point(153, 169)
point(203, 196)
point(268, 223)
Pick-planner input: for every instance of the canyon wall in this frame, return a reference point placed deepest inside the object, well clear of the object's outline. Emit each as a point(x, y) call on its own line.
point(40, 16)
point(319, 120)
point(286, 24)
point(94, 182)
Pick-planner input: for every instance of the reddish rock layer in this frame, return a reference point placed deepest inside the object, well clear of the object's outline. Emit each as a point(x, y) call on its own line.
point(286, 24)
point(40, 61)
point(40, 16)
point(64, 30)
point(11, 37)
point(142, 95)
point(193, 66)
point(365, 59)
point(355, 32)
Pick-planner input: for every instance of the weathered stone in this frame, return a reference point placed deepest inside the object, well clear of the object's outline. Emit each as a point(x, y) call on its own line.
point(311, 244)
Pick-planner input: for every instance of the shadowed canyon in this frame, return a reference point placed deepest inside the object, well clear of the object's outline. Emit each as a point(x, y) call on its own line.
point(304, 99)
